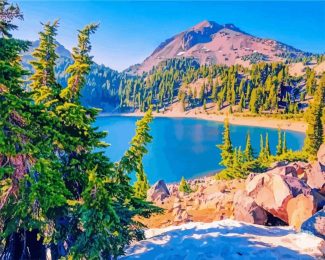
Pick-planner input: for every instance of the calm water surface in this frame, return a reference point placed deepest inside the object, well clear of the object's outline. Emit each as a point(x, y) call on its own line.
point(183, 146)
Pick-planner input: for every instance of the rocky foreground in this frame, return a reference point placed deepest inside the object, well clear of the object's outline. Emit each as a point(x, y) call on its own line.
point(288, 194)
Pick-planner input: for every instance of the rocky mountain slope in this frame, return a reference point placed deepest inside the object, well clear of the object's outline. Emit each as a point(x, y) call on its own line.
point(212, 43)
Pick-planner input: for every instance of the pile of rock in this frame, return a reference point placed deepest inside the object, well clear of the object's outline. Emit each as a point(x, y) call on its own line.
point(292, 193)
point(209, 200)
point(180, 213)
point(288, 193)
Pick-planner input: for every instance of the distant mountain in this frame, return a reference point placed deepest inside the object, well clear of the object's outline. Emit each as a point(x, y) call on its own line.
point(102, 84)
point(174, 69)
point(212, 43)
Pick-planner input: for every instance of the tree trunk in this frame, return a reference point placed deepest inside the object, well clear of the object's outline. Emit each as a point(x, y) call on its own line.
point(24, 246)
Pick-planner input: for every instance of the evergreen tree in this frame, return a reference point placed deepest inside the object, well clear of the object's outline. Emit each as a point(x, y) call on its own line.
point(214, 92)
point(262, 148)
point(202, 94)
point(248, 91)
point(43, 80)
point(184, 186)
point(80, 68)
point(249, 153)
point(235, 161)
point(310, 81)
point(195, 96)
point(86, 189)
point(242, 104)
point(238, 162)
point(284, 148)
point(279, 147)
point(29, 186)
point(226, 147)
point(253, 103)
point(9, 13)
point(314, 133)
point(137, 151)
point(267, 146)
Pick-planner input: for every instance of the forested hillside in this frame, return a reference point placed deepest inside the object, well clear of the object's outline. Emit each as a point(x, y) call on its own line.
point(181, 84)
point(184, 84)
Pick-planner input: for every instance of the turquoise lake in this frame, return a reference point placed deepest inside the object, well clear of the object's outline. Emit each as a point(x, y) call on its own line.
point(184, 146)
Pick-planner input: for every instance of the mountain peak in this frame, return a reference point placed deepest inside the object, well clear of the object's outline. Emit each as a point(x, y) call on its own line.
point(205, 24)
point(200, 33)
point(211, 43)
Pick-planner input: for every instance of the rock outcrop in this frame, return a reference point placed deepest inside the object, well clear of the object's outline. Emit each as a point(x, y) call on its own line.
point(158, 192)
point(273, 191)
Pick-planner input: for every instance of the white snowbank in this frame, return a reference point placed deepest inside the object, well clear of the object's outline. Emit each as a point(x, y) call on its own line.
point(225, 239)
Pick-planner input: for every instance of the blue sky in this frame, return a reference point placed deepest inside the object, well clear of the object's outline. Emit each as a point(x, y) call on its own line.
point(130, 31)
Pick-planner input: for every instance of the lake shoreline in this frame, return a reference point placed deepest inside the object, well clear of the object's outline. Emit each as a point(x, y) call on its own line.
point(203, 176)
point(295, 126)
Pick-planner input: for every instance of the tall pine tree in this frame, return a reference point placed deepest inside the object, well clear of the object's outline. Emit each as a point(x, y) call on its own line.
point(30, 185)
point(43, 82)
point(134, 155)
point(267, 146)
point(57, 186)
point(249, 153)
point(226, 146)
point(279, 147)
point(314, 134)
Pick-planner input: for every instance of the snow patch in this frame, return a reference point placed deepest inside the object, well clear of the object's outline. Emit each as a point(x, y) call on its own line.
point(226, 239)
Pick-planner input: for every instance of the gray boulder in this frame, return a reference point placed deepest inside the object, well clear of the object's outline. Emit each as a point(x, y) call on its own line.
point(158, 191)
